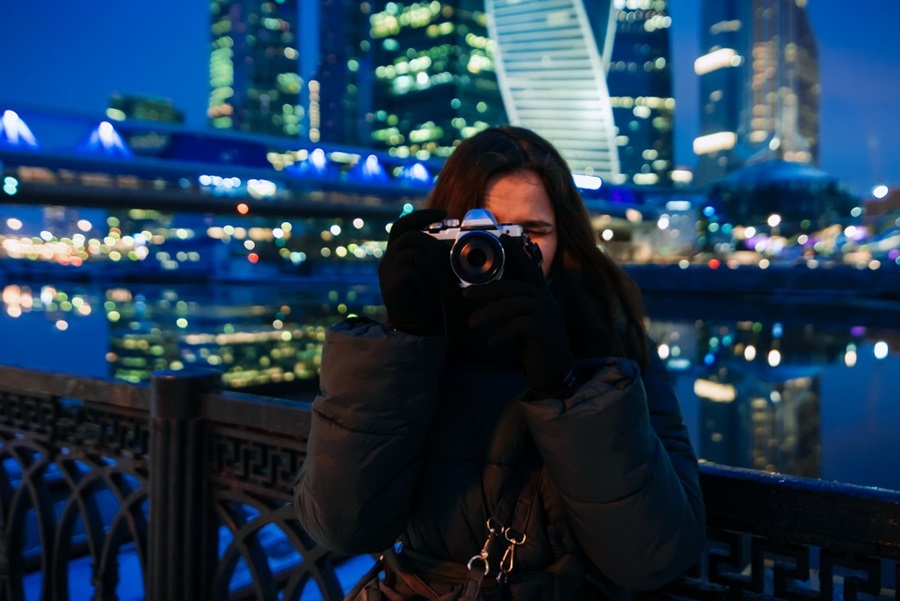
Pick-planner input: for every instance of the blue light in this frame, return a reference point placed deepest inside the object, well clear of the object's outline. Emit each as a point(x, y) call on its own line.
point(14, 131)
point(315, 164)
point(318, 159)
point(416, 173)
point(709, 359)
point(106, 141)
point(369, 170)
point(777, 330)
point(709, 211)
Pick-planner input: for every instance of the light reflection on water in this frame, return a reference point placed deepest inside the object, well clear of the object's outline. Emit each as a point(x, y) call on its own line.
point(799, 387)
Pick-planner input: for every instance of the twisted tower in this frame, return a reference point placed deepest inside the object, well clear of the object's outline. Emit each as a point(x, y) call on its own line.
point(551, 58)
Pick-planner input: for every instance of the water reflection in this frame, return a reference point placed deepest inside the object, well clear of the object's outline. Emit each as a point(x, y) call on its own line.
point(798, 386)
point(256, 335)
point(791, 385)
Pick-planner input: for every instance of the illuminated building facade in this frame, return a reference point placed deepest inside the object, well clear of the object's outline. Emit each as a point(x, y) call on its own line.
point(640, 87)
point(435, 81)
point(552, 58)
point(759, 85)
point(290, 68)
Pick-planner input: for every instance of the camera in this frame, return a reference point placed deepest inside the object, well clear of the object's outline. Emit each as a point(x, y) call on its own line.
point(476, 254)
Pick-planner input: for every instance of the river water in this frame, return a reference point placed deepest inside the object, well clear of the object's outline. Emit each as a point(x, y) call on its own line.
point(803, 387)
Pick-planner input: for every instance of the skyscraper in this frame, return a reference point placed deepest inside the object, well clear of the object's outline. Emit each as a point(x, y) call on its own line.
point(759, 85)
point(435, 80)
point(640, 88)
point(344, 70)
point(552, 58)
point(289, 67)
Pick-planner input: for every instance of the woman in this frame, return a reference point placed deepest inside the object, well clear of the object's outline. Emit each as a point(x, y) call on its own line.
point(519, 429)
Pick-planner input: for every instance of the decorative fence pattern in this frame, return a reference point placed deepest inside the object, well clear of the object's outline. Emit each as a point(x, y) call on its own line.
point(179, 491)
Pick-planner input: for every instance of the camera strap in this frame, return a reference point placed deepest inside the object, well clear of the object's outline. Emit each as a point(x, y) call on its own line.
point(506, 531)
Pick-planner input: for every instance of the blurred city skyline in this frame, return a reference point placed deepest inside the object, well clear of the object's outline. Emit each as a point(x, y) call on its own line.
point(162, 50)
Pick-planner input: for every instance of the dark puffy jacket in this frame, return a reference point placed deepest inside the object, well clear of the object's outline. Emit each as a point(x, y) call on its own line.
point(404, 444)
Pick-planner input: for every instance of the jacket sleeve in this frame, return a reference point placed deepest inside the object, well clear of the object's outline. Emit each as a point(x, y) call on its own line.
point(619, 452)
point(378, 394)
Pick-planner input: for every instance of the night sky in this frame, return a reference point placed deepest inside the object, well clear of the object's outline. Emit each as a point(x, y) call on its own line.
point(73, 55)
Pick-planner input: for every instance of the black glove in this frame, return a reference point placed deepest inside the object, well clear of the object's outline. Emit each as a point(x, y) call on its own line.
point(415, 275)
point(519, 308)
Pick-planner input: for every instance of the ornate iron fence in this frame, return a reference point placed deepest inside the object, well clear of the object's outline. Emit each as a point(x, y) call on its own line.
point(178, 491)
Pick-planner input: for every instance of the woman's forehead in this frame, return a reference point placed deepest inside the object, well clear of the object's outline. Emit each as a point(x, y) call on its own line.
point(518, 197)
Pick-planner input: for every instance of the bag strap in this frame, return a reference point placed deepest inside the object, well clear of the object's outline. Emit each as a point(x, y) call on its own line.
point(411, 580)
point(514, 534)
point(471, 589)
point(514, 509)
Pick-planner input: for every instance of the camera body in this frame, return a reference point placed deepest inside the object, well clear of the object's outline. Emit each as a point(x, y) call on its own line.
point(476, 254)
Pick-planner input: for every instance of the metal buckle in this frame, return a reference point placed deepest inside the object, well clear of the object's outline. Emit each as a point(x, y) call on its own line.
point(508, 561)
point(483, 554)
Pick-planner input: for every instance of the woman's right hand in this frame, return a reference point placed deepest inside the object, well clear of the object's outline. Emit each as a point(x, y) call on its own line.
point(519, 308)
point(415, 275)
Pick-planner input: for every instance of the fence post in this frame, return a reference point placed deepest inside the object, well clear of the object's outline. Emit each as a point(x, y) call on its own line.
point(182, 543)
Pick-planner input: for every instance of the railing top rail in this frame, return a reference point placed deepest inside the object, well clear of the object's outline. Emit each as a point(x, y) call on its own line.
point(279, 417)
point(275, 416)
point(96, 390)
point(859, 519)
point(798, 483)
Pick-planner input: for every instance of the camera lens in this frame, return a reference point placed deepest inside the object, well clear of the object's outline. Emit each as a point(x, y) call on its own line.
point(477, 257)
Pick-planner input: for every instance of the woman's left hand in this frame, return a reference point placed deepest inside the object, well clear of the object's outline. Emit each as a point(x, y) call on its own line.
point(519, 308)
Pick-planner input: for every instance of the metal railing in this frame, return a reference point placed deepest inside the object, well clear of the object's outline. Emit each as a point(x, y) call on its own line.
point(178, 491)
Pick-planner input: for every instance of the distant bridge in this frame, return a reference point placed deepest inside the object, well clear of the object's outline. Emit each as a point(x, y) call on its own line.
point(42, 179)
point(171, 168)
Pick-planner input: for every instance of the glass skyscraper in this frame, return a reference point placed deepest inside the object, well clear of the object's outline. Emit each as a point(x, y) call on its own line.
point(290, 67)
point(552, 58)
point(435, 82)
point(759, 85)
point(640, 88)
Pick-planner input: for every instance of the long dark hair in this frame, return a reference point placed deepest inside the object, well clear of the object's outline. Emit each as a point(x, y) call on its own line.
point(500, 151)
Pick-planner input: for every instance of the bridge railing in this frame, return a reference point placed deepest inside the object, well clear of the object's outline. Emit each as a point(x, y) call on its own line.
point(179, 491)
